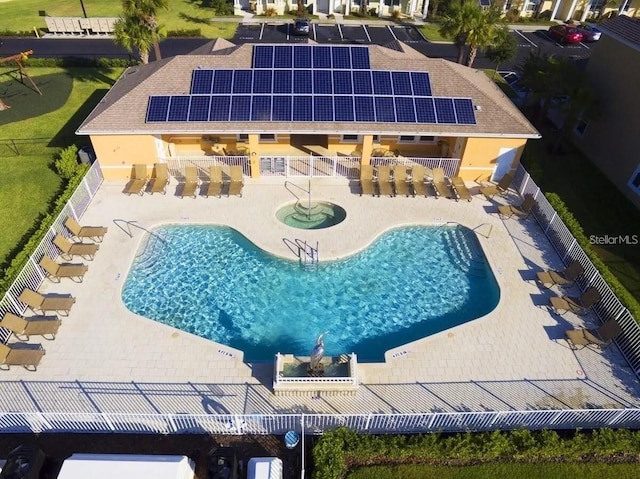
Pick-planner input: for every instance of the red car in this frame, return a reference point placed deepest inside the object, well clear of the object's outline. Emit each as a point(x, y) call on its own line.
point(565, 34)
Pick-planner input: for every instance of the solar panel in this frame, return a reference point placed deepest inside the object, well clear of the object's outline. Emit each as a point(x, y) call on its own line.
point(485, 3)
point(157, 108)
point(263, 56)
point(179, 108)
point(465, 114)
point(342, 82)
point(382, 82)
point(262, 81)
point(362, 82)
point(201, 82)
point(283, 56)
point(261, 108)
point(360, 58)
point(343, 108)
point(302, 81)
point(199, 108)
point(401, 83)
point(302, 108)
point(321, 57)
point(322, 82)
point(425, 111)
point(222, 80)
point(444, 110)
point(385, 109)
point(281, 108)
point(405, 110)
point(240, 108)
point(341, 57)
point(282, 81)
point(364, 108)
point(322, 108)
point(421, 84)
point(220, 106)
point(242, 81)
point(302, 56)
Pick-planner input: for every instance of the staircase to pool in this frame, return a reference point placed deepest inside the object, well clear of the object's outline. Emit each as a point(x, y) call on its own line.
point(151, 247)
point(465, 251)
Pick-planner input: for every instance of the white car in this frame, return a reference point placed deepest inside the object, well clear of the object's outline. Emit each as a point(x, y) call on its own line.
point(589, 32)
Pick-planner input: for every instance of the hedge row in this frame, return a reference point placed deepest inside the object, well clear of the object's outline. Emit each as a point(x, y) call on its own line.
point(67, 62)
point(342, 449)
point(576, 230)
point(45, 221)
point(184, 32)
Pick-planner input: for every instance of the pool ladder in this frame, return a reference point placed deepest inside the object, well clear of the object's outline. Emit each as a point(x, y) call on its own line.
point(307, 254)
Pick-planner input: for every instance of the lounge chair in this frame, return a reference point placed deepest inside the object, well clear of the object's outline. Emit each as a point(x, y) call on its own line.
point(385, 187)
point(400, 180)
point(367, 187)
point(523, 211)
point(95, 233)
point(418, 173)
point(578, 305)
point(191, 182)
point(440, 184)
point(460, 190)
point(39, 302)
point(56, 271)
point(237, 181)
point(23, 327)
point(215, 181)
point(69, 249)
point(138, 180)
point(159, 179)
point(21, 354)
point(600, 336)
point(499, 188)
point(561, 278)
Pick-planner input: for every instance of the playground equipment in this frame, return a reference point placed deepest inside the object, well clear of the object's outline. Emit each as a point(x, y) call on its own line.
point(18, 59)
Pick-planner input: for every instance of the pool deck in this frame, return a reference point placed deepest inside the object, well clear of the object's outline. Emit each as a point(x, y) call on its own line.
point(109, 359)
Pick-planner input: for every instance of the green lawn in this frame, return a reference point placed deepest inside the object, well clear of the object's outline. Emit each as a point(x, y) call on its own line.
point(432, 33)
point(22, 15)
point(500, 471)
point(40, 126)
point(502, 84)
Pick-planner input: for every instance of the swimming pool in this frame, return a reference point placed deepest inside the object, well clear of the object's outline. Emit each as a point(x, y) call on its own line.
point(410, 283)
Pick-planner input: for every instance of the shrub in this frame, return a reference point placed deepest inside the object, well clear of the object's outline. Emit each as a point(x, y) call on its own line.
point(513, 15)
point(271, 12)
point(67, 164)
point(80, 62)
point(185, 32)
point(219, 7)
point(395, 14)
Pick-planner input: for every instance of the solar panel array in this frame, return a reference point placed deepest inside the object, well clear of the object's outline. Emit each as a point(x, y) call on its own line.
point(310, 83)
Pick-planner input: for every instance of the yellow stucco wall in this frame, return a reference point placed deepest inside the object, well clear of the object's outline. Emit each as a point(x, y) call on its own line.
point(117, 153)
point(479, 156)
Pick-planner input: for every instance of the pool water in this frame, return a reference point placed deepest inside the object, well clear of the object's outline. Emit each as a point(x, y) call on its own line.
point(410, 283)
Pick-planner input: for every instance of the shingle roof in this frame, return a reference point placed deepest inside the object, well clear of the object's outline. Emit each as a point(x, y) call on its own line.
point(123, 109)
point(623, 28)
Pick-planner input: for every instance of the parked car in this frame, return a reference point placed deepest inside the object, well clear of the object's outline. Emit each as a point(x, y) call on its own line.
point(301, 26)
point(565, 34)
point(589, 32)
point(513, 80)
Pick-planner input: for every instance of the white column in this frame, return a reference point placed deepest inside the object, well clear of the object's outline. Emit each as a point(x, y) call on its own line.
point(331, 7)
point(523, 11)
point(347, 8)
point(554, 9)
point(380, 7)
point(413, 7)
point(425, 9)
point(571, 10)
point(585, 11)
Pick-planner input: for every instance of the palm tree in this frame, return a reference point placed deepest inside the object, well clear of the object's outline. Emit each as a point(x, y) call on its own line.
point(146, 11)
point(130, 34)
point(483, 34)
point(459, 19)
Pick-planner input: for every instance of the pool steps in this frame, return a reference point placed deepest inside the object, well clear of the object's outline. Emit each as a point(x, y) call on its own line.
point(465, 251)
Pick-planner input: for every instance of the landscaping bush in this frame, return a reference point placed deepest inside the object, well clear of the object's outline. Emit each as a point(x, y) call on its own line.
point(184, 32)
point(67, 164)
point(67, 62)
point(220, 7)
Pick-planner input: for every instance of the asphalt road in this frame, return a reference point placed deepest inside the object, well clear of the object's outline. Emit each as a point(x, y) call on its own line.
point(281, 33)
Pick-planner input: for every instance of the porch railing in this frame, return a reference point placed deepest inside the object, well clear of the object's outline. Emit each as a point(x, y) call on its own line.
point(177, 164)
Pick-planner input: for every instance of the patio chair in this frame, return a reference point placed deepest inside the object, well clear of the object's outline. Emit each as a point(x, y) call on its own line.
point(562, 278)
point(69, 249)
point(159, 179)
point(460, 190)
point(138, 180)
point(43, 303)
point(21, 354)
point(499, 188)
point(237, 181)
point(215, 181)
point(418, 174)
point(191, 182)
point(56, 271)
point(96, 233)
point(523, 211)
point(601, 336)
point(578, 305)
point(385, 187)
point(23, 327)
point(400, 180)
point(367, 187)
point(440, 185)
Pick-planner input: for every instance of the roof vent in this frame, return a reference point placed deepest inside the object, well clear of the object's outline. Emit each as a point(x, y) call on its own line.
point(478, 108)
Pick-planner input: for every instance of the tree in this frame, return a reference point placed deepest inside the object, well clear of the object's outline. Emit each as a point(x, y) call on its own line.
point(301, 8)
point(130, 34)
point(504, 48)
point(459, 19)
point(146, 11)
point(580, 103)
point(483, 32)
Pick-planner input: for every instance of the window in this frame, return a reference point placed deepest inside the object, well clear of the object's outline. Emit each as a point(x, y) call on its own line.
point(243, 137)
point(427, 139)
point(350, 138)
point(595, 5)
point(267, 137)
point(532, 5)
point(416, 139)
point(407, 139)
point(634, 181)
point(581, 126)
